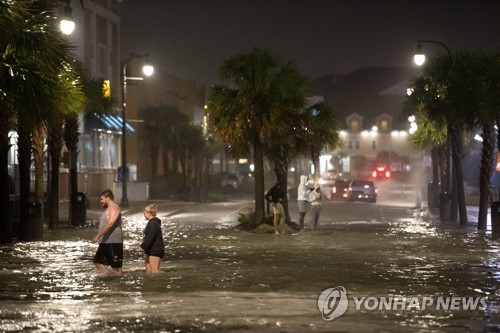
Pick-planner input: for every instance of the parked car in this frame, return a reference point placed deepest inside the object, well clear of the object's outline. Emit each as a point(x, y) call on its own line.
point(381, 173)
point(230, 180)
point(363, 190)
point(339, 189)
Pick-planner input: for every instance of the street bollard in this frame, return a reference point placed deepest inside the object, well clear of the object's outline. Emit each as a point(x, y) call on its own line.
point(79, 209)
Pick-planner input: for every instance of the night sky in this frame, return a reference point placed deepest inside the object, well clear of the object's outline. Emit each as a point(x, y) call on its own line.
point(191, 38)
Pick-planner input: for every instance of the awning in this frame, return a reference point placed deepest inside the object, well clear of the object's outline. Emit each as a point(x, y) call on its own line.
point(114, 123)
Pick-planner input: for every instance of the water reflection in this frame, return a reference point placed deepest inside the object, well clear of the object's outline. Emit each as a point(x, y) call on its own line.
point(229, 280)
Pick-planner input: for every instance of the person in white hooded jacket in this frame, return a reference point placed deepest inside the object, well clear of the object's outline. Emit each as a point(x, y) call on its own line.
point(302, 199)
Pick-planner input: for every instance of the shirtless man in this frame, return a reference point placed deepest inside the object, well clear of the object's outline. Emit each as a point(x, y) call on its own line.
point(109, 236)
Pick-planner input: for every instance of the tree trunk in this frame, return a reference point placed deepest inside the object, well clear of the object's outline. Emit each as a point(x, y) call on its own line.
point(183, 163)
point(281, 169)
point(435, 165)
point(457, 150)
point(70, 134)
point(485, 173)
point(73, 174)
point(55, 145)
point(6, 220)
point(205, 184)
point(38, 156)
point(315, 160)
point(27, 215)
point(442, 151)
point(175, 162)
point(259, 180)
point(454, 195)
point(24, 158)
point(54, 191)
point(166, 161)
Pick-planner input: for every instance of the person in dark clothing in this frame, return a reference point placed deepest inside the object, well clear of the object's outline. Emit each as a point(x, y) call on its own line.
point(275, 197)
point(152, 244)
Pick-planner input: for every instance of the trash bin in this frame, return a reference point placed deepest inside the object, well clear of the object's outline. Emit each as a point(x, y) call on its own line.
point(444, 206)
point(78, 209)
point(31, 228)
point(495, 217)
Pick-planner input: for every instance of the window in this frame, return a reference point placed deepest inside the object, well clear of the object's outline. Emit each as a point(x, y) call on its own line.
point(350, 144)
point(354, 125)
point(374, 144)
point(357, 144)
point(384, 125)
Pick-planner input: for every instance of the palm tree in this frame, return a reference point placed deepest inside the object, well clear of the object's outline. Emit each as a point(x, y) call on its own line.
point(153, 126)
point(444, 92)
point(33, 54)
point(191, 145)
point(262, 96)
point(159, 123)
point(320, 132)
point(11, 25)
point(314, 129)
point(488, 89)
point(70, 98)
point(432, 136)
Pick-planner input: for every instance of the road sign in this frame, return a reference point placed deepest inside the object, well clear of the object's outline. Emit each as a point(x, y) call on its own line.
point(427, 161)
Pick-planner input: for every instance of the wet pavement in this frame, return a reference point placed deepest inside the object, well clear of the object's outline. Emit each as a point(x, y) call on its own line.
point(217, 278)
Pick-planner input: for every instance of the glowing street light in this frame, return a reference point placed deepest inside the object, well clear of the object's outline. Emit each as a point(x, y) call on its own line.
point(419, 56)
point(67, 24)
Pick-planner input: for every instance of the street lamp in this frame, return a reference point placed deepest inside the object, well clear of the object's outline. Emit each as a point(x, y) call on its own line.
point(433, 187)
point(67, 24)
point(419, 56)
point(148, 70)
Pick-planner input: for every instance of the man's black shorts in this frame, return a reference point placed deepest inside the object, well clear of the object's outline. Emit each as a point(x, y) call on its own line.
point(109, 254)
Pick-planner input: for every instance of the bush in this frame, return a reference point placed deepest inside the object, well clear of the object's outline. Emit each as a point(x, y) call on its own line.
point(247, 222)
point(264, 229)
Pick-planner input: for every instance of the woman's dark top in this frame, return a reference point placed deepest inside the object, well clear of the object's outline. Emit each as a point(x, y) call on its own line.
point(152, 243)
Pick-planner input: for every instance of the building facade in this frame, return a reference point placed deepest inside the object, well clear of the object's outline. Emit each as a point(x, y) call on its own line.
point(96, 41)
point(370, 104)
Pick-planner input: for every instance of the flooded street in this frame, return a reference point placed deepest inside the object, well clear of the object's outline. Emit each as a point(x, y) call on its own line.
point(216, 278)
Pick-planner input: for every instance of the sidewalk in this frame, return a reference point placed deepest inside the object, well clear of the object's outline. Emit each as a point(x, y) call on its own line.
point(472, 204)
point(94, 213)
point(169, 207)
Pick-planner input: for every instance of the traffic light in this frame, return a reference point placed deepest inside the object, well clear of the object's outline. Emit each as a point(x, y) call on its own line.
point(106, 89)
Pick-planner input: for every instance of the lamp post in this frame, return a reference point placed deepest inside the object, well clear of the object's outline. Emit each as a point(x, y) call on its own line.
point(419, 56)
point(444, 200)
point(148, 71)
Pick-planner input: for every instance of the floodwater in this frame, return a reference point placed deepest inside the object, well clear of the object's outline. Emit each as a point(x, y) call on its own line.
point(216, 278)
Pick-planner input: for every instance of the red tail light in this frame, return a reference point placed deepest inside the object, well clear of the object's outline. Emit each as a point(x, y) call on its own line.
point(387, 174)
point(374, 174)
